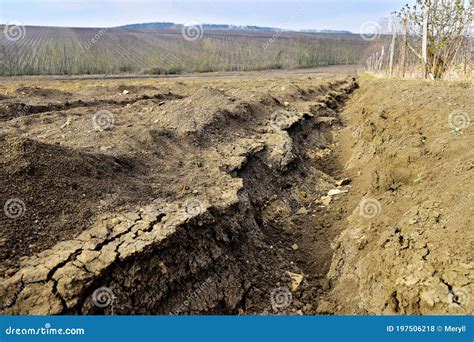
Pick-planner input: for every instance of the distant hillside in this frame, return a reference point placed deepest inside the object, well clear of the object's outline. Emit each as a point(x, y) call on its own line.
point(168, 50)
point(168, 25)
point(328, 31)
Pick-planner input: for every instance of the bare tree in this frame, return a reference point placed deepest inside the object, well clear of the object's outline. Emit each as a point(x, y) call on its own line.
point(392, 46)
point(439, 29)
point(403, 51)
point(424, 39)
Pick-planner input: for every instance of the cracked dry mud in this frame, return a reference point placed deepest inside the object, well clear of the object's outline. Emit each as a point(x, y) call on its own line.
point(204, 196)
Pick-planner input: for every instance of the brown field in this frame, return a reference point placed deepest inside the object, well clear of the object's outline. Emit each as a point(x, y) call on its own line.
point(291, 192)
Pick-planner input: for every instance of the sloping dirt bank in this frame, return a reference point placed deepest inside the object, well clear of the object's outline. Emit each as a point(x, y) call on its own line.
point(217, 190)
point(408, 243)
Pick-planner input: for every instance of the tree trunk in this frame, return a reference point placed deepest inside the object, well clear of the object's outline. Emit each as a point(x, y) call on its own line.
point(392, 51)
point(424, 46)
point(404, 46)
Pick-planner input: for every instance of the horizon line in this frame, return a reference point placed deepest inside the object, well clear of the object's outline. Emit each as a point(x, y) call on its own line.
point(18, 23)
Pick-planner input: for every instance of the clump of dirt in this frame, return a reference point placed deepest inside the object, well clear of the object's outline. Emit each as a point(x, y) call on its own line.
point(203, 108)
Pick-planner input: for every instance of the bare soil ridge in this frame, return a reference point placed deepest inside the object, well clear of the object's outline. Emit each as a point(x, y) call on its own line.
point(212, 224)
point(208, 201)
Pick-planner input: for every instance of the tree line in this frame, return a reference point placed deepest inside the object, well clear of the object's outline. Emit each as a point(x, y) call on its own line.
point(432, 39)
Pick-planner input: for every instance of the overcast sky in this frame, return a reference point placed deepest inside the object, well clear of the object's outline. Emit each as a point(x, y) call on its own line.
point(286, 14)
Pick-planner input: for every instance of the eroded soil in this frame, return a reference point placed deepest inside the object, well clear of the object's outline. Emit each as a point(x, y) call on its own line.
point(238, 196)
point(409, 150)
